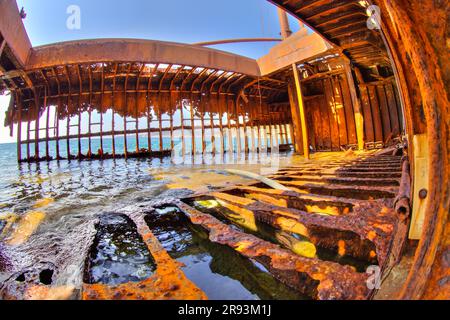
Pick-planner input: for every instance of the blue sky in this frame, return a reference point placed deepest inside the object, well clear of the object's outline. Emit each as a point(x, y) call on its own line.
point(186, 21)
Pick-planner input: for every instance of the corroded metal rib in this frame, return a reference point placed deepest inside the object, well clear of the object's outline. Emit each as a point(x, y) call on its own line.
point(340, 180)
point(323, 280)
point(365, 228)
point(291, 199)
point(336, 190)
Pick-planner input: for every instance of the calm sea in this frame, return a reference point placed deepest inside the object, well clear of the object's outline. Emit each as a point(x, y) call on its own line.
point(85, 183)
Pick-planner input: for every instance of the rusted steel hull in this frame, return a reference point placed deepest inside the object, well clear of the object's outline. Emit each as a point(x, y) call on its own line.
point(367, 229)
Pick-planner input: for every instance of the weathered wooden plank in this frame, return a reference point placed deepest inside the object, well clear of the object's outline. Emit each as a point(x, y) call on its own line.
point(28, 139)
point(301, 107)
point(340, 112)
point(392, 105)
point(358, 109)
point(332, 115)
point(47, 124)
point(58, 107)
point(298, 139)
point(376, 114)
point(36, 126)
point(348, 110)
point(314, 111)
point(191, 114)
point(222, 137)
point(385, 112)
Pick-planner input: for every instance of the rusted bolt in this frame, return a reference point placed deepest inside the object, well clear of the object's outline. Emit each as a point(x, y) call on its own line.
point(423, 194)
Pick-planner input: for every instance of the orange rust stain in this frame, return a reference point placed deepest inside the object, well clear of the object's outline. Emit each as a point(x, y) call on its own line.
point(388, 228)
point(346, 210)
point(255, 189)
point(385, 211)
point(304, 183)
point(161, 286)
point(341, 248)
point(372, 254)
point(286, 214)
point(332, 211)
point(371, 235)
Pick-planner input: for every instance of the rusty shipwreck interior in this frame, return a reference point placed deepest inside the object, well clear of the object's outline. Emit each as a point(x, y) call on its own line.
point(366, 106)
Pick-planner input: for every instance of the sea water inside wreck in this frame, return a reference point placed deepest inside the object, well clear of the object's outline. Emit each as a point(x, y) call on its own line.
point(51, 214)
point(210, 265)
